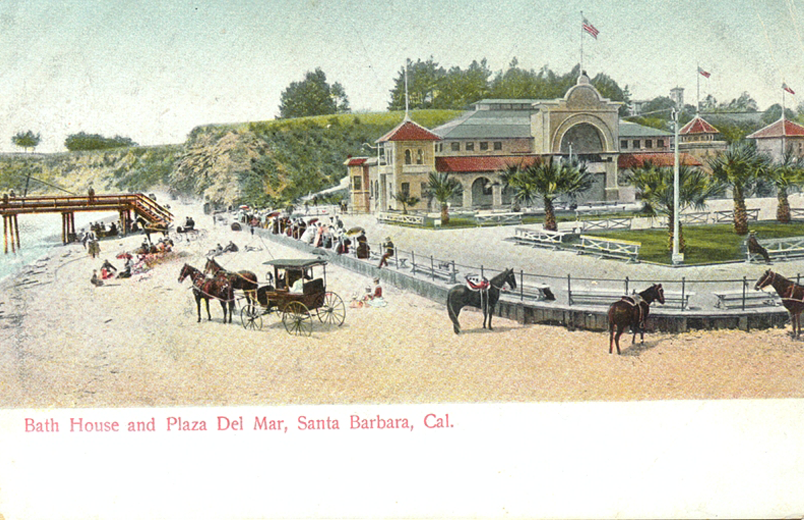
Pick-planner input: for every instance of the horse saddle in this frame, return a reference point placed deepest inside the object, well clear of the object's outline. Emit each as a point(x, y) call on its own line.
point(636, 300)
point(475, 282)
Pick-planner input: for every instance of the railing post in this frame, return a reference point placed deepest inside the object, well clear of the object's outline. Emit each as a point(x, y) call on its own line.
point(569, 290)
point(413, 262)
point(454, 272)
point(745, 284)
point(626, 285)
point(482, 273)
point(683, 289)
point(521, 285)
point(432, 268)
point(396, 257)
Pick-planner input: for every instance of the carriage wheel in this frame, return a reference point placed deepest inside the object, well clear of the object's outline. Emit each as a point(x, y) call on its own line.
point(251, 317)
point(332, 309)
point(297, 320)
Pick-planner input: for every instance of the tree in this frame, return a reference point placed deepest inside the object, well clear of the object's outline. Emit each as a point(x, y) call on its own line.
point(26, 140)
point(739, 167)
point(744, 103)
point(84, 141)
point(774, 113)
point(655, 184)
point(442, 187)
point(549, 180)
point(788, 174)
point(424, 86)
point(313, 97)
point(406, 199)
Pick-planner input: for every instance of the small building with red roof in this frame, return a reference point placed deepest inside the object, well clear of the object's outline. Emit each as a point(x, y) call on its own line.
point(701, 140)
point(778, 137)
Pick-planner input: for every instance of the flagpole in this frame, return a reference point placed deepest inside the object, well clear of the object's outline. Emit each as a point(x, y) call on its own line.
point(581, 43)
point(698, 92)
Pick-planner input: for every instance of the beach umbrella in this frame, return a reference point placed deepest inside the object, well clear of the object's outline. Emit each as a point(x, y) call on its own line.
point(274, 214)
point(313, 221)
point(355, 231)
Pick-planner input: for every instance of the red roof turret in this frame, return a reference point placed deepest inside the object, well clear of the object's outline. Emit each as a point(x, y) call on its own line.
point(407, 130)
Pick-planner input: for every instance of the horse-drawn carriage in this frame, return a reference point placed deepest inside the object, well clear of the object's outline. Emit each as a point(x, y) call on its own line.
point(295, 291)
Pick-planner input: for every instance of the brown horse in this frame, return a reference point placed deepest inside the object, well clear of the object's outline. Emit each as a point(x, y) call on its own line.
point(245, 281)
point(792, 295)
point(632, 311)
point(460, 296)
point(205, 288)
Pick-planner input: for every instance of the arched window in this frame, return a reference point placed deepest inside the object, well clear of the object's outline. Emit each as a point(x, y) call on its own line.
point(408, 157)
point(420, 156)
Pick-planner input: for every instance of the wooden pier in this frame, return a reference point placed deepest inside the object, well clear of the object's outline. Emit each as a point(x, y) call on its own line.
point(129, 206)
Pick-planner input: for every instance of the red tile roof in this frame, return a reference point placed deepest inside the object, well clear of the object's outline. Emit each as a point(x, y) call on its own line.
point(698, 126)
point(780, 128)
point(407, 130)
point(482, 163)
point(636, 160)
point(355, 161)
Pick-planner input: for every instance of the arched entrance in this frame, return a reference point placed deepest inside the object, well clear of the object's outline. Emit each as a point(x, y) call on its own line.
point(482, 193)
point(584, 138)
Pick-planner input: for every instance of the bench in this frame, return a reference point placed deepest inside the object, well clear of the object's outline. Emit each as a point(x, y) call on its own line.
point(443, 271)
point(701, 217)
point(533, 291)
point(539, 237)
point(777, 248)
point(499, 219)
point(609, 247)
point(727, 215)
point(609, 223)
point(599, 296)
point(398, 218)
point(400, 262)
point(734, 299)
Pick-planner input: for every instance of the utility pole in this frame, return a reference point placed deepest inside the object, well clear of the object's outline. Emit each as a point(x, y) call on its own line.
point(678, 257)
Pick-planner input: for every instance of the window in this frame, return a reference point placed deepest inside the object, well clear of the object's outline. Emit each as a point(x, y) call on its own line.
point(456, 147)
point(648, 143)
point(660, 143)
point(484, 146)
point(470, 147)
point(624, 144)
point(423, 191)
point(408, 158)
point(636, 143)
point(498, 145)
point(405, 189)
point(357, 184)
point(419, 156)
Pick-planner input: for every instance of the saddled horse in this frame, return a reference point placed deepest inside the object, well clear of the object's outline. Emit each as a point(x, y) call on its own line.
point(486, 299)
point(217, 288)
point(792, 295)
point(245, 281)
point(632, 311)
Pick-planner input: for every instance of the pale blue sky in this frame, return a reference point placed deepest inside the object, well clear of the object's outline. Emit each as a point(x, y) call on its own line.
point(153, 70)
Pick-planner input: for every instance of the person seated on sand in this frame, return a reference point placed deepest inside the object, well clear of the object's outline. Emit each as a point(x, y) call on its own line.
point(230, 248)
point(126, 272)
point(107, 269)
point(97, 282)
point(189, 223)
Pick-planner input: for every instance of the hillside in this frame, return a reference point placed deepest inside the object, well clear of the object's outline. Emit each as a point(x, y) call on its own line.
point(264, 163)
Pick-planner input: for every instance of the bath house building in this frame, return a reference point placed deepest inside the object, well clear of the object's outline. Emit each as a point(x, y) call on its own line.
point(496, 133)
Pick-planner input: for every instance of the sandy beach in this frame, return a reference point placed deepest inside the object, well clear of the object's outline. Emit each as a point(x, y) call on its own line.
point(136, 343)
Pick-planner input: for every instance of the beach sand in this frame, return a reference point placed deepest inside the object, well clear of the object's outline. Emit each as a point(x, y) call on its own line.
point(136, 343)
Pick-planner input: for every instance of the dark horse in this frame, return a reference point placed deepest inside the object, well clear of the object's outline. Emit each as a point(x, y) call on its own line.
point(632, 311)
point(460, 296)
point(217, 288)
point(245, 281)
point(792, 295)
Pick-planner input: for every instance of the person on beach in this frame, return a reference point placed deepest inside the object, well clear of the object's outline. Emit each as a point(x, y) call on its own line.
point(91, 194)
point(97, 282)
point(363, 251)
point(107, 270)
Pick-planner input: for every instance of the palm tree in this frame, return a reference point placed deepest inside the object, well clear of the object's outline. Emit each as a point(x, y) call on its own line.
point(442, 187)
point(549, 180)
point(788, 174)
point(655, 184)
point(406, 199)
point(739, 167)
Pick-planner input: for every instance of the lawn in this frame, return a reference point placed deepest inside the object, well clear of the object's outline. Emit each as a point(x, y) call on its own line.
point(705, 243)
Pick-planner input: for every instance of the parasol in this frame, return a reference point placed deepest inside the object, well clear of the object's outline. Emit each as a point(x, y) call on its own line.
point(313, 221)
point(355, 231)
point(244, 206)
point(127, 256)
point(274, 214)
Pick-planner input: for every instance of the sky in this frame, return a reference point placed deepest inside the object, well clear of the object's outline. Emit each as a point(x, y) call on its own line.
point(152, 70)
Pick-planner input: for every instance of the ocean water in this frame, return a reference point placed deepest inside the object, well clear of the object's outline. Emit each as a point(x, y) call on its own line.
point(40, 236)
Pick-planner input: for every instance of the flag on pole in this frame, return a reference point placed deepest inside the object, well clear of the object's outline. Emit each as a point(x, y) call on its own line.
point(703, 73)
point(787, 89)
point(588, 27)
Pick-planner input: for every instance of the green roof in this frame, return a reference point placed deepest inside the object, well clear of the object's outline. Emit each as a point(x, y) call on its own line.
point(487, 124)
point(629, 129)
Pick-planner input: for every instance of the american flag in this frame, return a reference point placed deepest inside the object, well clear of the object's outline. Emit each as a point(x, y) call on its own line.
point(588, 27)
point(703, 73)
point(787, 89)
